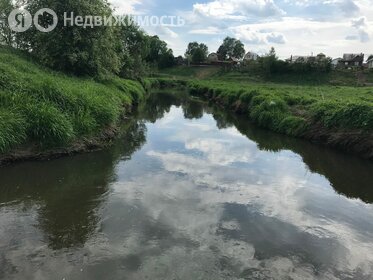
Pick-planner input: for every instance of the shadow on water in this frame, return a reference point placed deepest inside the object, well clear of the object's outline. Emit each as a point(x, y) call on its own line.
point(68, 193)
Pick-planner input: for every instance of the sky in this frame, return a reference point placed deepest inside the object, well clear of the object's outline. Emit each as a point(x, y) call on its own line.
point(292, 27)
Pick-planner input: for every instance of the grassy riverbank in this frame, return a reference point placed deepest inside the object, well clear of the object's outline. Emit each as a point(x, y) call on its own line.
point(337, 116)
point(46, 109)
point(42, 110)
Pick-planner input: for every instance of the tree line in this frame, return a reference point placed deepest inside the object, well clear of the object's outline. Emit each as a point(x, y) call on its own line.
point(101, 51)
point(266, 64)
point(230, 48)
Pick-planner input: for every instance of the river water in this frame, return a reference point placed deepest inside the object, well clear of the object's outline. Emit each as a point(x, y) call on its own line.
point(189, 192)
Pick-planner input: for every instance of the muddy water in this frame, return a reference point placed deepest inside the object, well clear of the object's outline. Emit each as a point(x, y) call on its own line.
point(189, 192)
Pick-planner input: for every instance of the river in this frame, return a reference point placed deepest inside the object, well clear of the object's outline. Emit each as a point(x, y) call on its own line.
point(189, 192)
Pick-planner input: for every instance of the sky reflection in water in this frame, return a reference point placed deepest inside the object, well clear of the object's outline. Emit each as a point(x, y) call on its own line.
point(195, 202)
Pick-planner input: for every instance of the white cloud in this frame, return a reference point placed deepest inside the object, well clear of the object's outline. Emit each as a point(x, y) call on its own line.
point(362, 30)
point(166, 31)
point(347, 6)
point(125, 7)
point(248, 35)
point(297, 27)
point(276, 38)
point(360, 22)
point(352, 37)
point(304, 36)
point(327, 8)
point(238, 9)
point(255, 36)
point(206, 31)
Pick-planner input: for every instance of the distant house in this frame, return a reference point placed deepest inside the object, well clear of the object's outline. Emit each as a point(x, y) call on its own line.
point(306, 59)
point(297, 59)
point(213, 57)
point(251, 56)
point(370, 63)
point(301, 59)
point(352, 60)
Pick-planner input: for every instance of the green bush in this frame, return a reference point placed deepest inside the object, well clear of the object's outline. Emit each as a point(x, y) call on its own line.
point(268, 111)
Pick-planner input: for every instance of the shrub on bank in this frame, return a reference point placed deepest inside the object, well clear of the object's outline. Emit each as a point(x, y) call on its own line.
point(268, 111)
point(350, 115)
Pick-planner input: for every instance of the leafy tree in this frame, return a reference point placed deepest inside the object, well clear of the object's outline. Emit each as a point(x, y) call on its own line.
point(100, 51)
point(196, 53)
point(6, 34)
point(231, 48)
point(269, 61)
point(167, 59)
point(157, 47)
point(134, 49)
point(159, 54)
point(199, 56)
point(74, 49)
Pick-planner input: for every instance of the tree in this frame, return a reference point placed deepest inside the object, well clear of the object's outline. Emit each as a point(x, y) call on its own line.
point(268, 62)
point(196, 52)
point(167, 59)
point(370, 57)
point(74, 49)
point(231, 48)
point(134, 48)
point(199, 56)
point(159, 54)
point(98, 51)
point(6, 34)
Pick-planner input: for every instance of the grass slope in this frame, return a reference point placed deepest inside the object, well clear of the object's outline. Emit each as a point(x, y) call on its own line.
point(52, 109)
point(271, 104)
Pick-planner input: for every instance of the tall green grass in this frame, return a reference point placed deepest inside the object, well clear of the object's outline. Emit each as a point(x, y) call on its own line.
point(52, 109)
point(291, 109)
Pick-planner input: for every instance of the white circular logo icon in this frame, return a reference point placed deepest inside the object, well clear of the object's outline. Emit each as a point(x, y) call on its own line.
point(41, 13)
point(20, 20)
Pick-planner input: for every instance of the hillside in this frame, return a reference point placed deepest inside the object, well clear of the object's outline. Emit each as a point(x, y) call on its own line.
point(46, 109)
